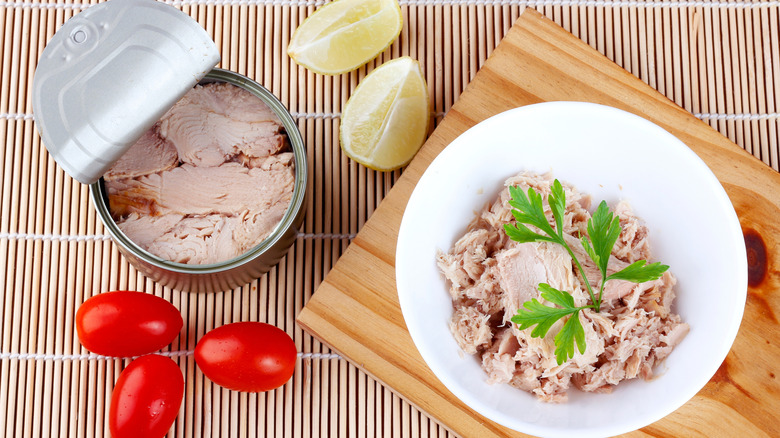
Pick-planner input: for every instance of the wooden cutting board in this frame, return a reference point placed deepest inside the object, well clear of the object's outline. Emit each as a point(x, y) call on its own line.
point(356, 310)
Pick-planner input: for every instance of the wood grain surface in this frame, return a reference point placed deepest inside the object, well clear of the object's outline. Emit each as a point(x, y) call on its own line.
point(356, 311)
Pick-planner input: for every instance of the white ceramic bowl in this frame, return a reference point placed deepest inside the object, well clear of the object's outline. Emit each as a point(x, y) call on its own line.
point(611, 155)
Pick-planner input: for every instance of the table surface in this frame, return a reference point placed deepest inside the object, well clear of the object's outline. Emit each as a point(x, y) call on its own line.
point(719, 61)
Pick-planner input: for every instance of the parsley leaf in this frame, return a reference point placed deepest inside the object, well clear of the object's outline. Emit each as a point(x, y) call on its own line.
point(603, 231)
point(553, 295)
point(564, 340)
point(521, 233)
point(557, 201)
point(640, 272)
point(536, 313)
point(529, 210)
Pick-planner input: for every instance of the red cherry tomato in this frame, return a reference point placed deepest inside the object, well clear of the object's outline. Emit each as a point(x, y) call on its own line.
point(146, 398)
point(247, 356)
point(126, 324)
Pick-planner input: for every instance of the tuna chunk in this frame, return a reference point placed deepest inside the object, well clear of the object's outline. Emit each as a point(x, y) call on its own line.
point(200, 240)
point(229, 189)
point(471, 329)
point(144, 230)
point(633, 244)
point(195, 240)
point(498, 361)
point(524, 266)
point(213, 123)
point(150, 154)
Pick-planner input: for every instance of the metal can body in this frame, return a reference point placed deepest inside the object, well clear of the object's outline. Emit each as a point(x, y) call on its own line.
point(246, 267)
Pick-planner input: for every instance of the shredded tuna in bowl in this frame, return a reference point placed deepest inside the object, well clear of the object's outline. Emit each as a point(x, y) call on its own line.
point(210, 197)
point(490, 276)
point(460, 278)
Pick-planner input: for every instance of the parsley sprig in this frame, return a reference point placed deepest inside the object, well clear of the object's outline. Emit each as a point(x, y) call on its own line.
point(603, 231)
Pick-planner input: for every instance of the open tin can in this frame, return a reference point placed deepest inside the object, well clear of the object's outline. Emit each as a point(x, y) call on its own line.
point(246, 267)
point(105, 78)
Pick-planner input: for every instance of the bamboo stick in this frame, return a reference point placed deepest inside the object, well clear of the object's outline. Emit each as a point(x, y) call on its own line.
point(651, 25)
point(761, 41)
point(774, 106)
point(770, 39)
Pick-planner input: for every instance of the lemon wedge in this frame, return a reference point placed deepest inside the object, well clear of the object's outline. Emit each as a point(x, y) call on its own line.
point(345, 34)
point(385, 121)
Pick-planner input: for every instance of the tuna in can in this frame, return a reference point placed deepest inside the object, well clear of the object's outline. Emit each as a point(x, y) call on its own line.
point(242, 268)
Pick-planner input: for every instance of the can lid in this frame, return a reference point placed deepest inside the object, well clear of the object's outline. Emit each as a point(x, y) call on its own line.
point(109, 74)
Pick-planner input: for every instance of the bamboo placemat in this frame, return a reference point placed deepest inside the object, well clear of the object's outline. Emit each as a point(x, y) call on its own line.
point(718, 60)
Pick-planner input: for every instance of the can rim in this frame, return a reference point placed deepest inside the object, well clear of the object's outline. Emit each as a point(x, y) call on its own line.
point(100, 196)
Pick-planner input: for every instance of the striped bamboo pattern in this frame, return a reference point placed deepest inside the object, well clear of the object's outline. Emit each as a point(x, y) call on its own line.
point(719, 60)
